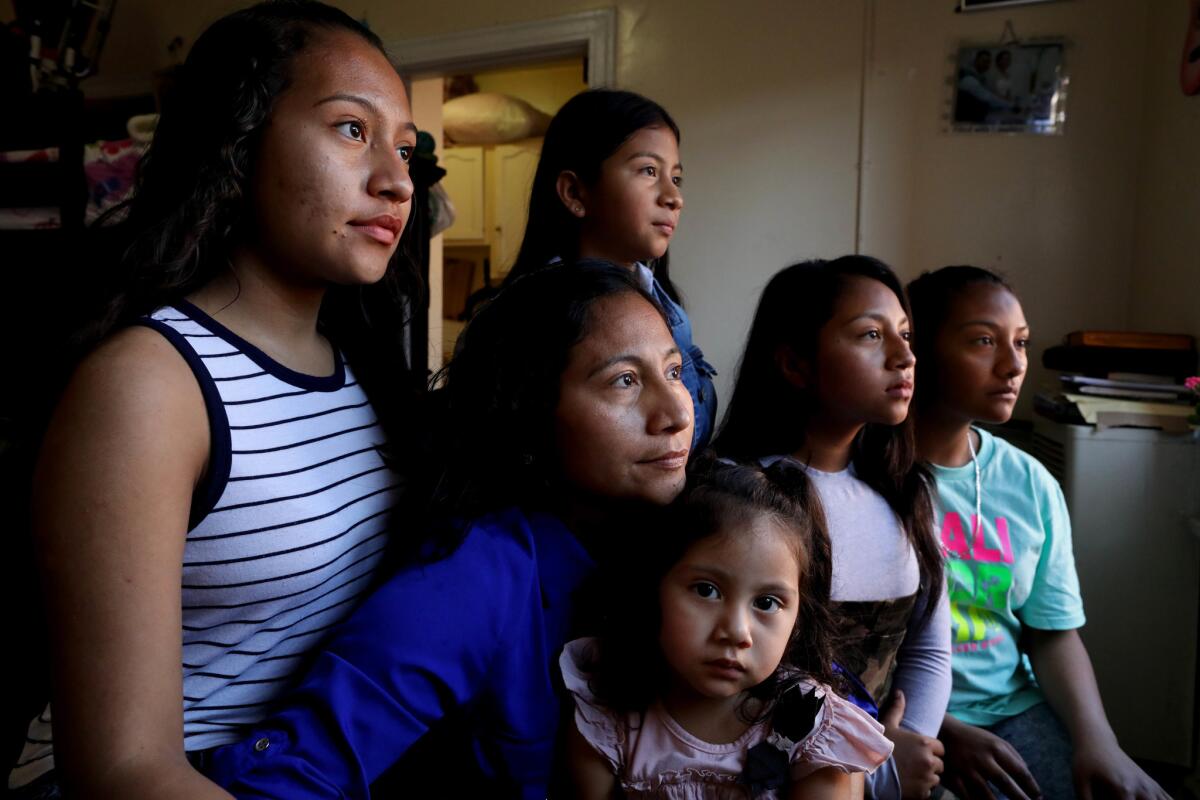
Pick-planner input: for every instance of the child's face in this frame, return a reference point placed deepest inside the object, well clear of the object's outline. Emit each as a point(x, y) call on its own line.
point(729, 607)
point(330, 189)
point(982, 352)
point(631, 211)
point(864, 365)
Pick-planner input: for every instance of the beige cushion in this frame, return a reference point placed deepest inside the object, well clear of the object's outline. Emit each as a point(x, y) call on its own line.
point(489, 118)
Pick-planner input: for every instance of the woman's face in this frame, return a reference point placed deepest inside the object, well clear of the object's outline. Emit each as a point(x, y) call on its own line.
point(330, 187)
point(624, 419)
point(631, 211)
point(981, 354)
point(864, 364)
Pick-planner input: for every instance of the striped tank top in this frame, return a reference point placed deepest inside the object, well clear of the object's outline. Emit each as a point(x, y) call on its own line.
point(287, 528)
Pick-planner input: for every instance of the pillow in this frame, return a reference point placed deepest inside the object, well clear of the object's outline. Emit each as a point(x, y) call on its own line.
point(489, 118)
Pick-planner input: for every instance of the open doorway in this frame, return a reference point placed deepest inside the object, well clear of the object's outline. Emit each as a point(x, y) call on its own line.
point(493, 121)
point(535, 66)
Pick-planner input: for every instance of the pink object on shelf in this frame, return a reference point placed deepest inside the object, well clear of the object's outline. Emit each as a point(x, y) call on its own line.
point(18, 219)
point(110, 168)
point(47, 155)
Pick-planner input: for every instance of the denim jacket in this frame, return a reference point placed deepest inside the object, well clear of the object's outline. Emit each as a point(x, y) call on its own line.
point(697, 373)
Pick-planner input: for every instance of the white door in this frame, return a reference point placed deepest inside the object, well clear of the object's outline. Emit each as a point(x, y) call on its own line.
point(464, 184)
point(513, 168)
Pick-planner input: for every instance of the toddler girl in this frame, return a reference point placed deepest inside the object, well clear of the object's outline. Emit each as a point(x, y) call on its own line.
point(710, 677)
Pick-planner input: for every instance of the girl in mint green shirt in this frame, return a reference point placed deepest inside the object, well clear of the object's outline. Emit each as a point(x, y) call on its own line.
point(1025, 717)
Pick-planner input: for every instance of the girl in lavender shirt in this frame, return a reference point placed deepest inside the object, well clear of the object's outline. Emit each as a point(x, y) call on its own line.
point(825, 383)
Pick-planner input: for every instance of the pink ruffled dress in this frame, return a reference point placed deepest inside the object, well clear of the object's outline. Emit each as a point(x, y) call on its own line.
point(653, 756)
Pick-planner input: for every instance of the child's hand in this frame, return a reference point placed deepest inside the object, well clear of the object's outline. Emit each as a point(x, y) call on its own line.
point(975, 758)
point(918, 758)
point(1105, 767)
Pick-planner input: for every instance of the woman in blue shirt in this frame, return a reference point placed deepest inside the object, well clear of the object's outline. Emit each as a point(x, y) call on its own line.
point(565, 411)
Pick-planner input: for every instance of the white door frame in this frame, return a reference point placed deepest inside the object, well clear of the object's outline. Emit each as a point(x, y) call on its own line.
point(591, 33)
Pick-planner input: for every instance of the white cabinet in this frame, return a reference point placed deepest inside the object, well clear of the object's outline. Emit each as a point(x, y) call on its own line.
point(510, 177)
point(490, 187)
point(464, 184)
point(1134, 498)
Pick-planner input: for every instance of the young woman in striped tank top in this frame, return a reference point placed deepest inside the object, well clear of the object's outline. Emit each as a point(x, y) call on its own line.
point(211, 491)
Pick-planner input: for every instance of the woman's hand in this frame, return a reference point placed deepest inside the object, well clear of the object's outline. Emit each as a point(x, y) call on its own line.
point(918, 758)
point(976, 758)
point(1103, 770)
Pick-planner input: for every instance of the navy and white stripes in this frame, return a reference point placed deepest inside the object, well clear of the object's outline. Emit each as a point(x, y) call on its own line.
point(287, 528)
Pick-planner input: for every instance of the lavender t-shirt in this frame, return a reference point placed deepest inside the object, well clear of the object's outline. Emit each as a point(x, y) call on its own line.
point(873, 560)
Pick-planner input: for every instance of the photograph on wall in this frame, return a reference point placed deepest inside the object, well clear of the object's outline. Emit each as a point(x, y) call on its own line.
point(1009, 88)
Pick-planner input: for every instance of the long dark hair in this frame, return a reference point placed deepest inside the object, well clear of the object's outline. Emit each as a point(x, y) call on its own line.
point(628, 668)
point(768, 415)
point(589, 128)
point(931, 296)
point(192, 195)
point(494, 443)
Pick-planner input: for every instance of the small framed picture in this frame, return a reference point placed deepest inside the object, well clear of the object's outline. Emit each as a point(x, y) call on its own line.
point(983, 5)
point(1009, 88)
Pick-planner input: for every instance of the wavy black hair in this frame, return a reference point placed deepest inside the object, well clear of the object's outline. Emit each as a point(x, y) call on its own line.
point(494, 435)
point(627, 667)
point(768, 415)
point(192, 196)
point(931, 296)
point(589, 128)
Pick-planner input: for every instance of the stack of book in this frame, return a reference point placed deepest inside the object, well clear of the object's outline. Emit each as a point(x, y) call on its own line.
point(1118, 378)
point(1129, 386)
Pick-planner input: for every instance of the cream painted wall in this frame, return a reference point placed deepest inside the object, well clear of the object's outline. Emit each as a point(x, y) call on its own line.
point(767, 98)
point(1055, 214)
point(426, 102)
point(1092, 226)
point(767, 102)
point(1166, 260)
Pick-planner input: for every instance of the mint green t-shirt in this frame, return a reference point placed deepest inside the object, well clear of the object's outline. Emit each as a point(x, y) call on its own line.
point(1017, 570)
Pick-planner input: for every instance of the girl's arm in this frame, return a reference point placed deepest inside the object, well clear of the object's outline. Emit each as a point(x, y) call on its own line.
point(828, 783)
point(113, 489)
point(1050, 618)
point(591, 777)
point(1065, 674)
point(921, 692)
point(923, 668)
